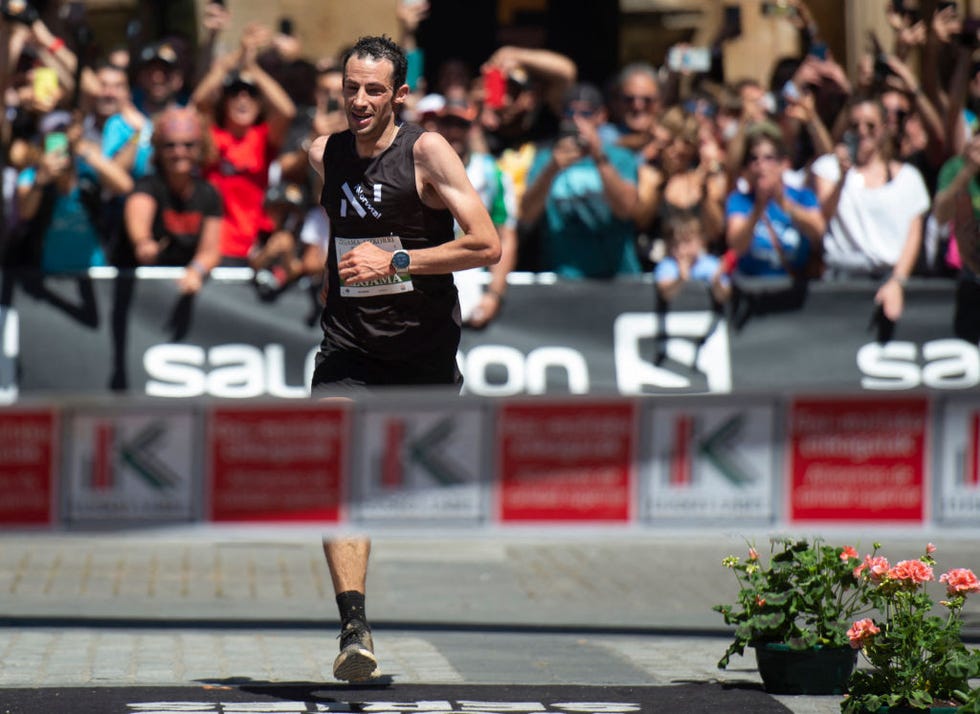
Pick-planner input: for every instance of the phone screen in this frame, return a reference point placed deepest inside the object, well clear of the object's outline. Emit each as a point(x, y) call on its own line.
point(494, 87)
point(45, 84)
point(56, 142)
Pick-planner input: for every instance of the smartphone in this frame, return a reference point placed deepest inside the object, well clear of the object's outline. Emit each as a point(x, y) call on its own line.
point(851, 141)
point(333, 104)
point(791, 92)
point(818, 50)
point(494, 87)
point(779, 8)
point(56, 143)
point(733, 20)
point(689, 59)
point(45, 84)
point(286, 26)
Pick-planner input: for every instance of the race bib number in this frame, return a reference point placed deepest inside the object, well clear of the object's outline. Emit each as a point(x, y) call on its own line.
point(387, 285)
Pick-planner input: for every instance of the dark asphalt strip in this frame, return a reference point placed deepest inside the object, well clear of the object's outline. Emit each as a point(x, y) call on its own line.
point(239, 696)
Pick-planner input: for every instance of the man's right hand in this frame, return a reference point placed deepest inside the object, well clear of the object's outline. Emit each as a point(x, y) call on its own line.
point(147, 251)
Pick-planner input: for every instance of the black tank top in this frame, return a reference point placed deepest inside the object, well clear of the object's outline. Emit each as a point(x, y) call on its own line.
point(375, 197)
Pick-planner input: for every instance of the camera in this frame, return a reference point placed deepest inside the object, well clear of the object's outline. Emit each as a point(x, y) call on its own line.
point(567, 128)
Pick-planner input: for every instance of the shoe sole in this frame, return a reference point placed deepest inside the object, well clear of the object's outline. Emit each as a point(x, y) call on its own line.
point(355, 665)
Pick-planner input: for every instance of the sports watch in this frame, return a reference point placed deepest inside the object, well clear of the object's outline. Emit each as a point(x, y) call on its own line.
point(401, 261)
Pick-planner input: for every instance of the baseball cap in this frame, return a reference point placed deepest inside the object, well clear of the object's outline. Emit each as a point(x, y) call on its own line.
point(458, 108)
point(54, 121)
point(159, 52)
point(430, 105)
point(236, 81)
point(584, 93)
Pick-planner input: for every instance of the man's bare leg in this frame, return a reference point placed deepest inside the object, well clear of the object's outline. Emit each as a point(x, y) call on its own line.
point(347, 559)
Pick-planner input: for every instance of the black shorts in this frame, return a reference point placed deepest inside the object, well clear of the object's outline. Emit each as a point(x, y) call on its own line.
point(345, 374)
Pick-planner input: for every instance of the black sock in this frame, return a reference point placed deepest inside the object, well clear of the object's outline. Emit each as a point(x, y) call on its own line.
point(351, 606)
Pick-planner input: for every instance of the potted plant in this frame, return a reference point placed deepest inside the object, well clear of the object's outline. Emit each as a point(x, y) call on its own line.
point(918, 661)
point(795, 611)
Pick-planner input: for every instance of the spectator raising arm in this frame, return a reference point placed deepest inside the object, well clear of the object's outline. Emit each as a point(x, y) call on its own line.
point(280, 109)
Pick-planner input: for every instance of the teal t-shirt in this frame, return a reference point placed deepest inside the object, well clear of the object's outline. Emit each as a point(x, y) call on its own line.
point(71, 242)
point(581, 236)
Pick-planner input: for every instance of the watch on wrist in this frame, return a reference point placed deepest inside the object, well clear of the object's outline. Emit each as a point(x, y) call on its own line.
point(401, 261)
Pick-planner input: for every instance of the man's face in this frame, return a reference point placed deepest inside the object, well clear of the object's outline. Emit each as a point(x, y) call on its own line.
point(159, 80)
point(455, 131)
point(180, 148)
point(369, 96)
point(113, 91)
point(329, 86)
point(639, 102)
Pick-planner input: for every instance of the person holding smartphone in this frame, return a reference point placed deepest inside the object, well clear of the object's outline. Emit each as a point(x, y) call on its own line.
point(875, 207)
point(60, 214)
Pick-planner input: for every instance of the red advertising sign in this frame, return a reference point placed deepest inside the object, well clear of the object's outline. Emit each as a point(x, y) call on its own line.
point(277, 464)
point(27, 458)
point(858, 460)
point(566, 462)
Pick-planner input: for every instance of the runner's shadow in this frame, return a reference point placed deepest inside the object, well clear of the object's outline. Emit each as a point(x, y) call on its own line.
point(300, 691)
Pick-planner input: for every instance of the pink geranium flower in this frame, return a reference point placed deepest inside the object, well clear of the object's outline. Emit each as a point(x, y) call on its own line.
point(848, 552)
point(960, 581)
point(911, 572)
point(877, 568)
point(862, 631)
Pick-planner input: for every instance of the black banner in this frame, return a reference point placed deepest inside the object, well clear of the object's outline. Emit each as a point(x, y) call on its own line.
point(92, 334)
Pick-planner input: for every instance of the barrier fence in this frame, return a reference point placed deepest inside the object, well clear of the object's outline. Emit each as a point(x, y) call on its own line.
point(584, 405)
point(93, 335)
point(472, 461)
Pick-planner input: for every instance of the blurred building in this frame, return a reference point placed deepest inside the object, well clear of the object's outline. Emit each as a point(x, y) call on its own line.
point(600, 35)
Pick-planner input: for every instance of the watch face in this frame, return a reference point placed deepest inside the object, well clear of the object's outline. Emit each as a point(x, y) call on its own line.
point(400, 260)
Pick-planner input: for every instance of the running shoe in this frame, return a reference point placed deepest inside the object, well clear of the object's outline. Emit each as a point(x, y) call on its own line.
point(356, 661)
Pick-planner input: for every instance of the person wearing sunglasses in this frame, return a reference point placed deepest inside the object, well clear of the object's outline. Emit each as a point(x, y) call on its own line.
point(173, 216)
point(774, 229)
point(251, 115)
point(635, 108)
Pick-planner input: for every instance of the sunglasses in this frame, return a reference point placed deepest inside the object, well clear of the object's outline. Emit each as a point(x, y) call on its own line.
point(587, 113)
point(645, 100)
point(171, 145)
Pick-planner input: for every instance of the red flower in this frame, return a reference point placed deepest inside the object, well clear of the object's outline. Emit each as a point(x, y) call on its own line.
point(960, 580)
point(911, 572)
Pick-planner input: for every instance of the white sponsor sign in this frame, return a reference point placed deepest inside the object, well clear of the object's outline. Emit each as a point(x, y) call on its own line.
point(958, 475)
point(708, 462)
point(131, 466)
point(421, 464)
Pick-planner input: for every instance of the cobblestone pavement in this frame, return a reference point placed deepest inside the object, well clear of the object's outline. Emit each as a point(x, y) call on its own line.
point(219, 606)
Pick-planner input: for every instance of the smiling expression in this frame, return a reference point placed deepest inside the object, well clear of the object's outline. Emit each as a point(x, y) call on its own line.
point(369, 97)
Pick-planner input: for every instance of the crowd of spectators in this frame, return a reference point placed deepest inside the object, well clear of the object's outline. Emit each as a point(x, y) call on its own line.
point(674, 170)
